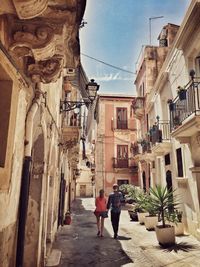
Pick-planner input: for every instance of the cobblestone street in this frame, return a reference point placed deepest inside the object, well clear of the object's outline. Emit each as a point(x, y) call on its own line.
point(135, 247)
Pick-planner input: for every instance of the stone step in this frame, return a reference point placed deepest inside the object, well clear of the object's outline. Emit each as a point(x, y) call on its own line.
point(54, 258)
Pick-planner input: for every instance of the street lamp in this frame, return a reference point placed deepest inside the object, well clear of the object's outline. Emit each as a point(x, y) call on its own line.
point(91, 89)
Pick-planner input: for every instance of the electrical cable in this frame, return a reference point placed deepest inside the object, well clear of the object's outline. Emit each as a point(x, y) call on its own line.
point(107, 64)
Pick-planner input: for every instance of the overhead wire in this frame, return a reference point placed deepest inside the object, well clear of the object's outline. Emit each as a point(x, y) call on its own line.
point(107, 64)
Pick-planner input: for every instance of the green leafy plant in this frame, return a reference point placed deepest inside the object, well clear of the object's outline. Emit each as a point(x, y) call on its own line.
point(151, 208)
point(164, 202)
point(175, 216)
point(142, 200)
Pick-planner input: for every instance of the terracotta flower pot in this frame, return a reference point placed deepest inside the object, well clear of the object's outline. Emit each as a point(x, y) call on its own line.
point(165, 236)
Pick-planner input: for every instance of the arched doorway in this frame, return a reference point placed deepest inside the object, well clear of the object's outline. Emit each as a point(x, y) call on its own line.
point(144, 181)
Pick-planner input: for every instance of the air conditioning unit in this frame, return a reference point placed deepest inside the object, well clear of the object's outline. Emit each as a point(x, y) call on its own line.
point(69, 72)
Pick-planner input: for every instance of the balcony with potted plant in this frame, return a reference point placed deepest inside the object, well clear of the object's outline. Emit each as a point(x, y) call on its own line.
point(146, 150)
point(159, 135)
point(185, 114)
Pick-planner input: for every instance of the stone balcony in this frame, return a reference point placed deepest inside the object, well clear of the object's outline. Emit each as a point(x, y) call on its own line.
point(41, 36)
point(70, 135)
point(138, 107)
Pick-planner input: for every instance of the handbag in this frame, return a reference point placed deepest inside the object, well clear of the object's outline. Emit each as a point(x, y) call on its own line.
point(104, 214)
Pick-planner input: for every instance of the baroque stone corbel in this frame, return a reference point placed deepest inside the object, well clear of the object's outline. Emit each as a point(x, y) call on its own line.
point(27, 9)
point(46, 71)
point(38, 41)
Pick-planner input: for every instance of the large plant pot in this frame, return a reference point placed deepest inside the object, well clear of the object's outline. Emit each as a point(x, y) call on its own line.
point(133, 215)
point(150, 222)
point(179, 228)
point(165, 236)
point(141, 216)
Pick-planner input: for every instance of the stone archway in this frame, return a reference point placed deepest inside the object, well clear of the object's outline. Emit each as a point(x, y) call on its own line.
point(33, 234)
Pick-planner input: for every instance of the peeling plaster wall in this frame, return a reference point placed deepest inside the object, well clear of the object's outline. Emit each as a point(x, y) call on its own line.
point(10, 198)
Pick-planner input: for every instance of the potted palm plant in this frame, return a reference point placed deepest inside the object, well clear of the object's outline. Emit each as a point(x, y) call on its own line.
point(164, 202)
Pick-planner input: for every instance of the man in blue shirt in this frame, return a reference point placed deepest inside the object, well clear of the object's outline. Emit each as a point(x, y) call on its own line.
point(114, 201)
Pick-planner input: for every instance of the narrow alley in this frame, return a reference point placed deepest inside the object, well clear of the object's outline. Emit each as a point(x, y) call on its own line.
point(135, 246)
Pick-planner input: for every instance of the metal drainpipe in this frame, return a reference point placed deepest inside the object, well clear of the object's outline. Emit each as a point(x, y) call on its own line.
point(25, 180)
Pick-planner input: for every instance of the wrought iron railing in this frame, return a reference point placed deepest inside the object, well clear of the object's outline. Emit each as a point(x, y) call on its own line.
point(120, 162)
point(182, 107)
point(123, 125)
point(126, 163)
point(160, 131)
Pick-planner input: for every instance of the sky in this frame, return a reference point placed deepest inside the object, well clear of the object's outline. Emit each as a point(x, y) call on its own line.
point(115, 32)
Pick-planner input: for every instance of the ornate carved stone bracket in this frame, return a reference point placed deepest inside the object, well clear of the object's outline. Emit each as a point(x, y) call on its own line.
point(27, 9)
point(41, 42)
point(46, 71)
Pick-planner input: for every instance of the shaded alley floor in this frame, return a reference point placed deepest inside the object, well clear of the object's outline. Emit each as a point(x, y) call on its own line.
point(135, 247)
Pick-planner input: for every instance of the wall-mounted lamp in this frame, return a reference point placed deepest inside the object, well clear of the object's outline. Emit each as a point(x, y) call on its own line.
point(91, 89)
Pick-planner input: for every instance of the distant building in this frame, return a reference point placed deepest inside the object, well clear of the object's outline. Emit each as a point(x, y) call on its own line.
point(148, 67)
point(115, 134)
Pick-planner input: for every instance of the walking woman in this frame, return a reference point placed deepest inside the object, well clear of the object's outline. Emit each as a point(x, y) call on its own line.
point(100, 212)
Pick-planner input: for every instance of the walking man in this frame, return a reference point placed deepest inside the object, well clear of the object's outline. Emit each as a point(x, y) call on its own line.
point(114, 201)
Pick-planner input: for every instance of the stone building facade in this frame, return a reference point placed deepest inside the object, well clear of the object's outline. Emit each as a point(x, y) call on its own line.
point(171, 109)
point(39, 67)
point(115, 134)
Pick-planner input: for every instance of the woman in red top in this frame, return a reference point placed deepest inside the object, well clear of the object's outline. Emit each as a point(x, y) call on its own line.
point(100, 212)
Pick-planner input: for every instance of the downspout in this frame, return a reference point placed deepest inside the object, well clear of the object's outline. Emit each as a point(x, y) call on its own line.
point(25, 180)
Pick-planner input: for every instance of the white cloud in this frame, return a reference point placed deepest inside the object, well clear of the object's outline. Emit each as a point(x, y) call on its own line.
point(113, 77)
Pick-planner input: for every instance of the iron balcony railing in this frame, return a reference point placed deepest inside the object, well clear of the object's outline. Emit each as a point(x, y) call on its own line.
point(123, 125)
point(125, 163)
point(185, 104)
point(159, 132)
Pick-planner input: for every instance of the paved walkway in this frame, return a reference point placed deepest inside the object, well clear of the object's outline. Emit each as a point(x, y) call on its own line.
point(135, 247)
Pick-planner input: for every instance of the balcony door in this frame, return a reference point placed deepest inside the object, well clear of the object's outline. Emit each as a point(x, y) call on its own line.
point(122, 156)
point(122, 118)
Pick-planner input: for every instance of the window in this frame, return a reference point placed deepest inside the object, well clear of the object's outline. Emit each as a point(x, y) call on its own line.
point(122, 118)
point(122, 156)
point(167, 159)
point(5, 105)
point(179, 162)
